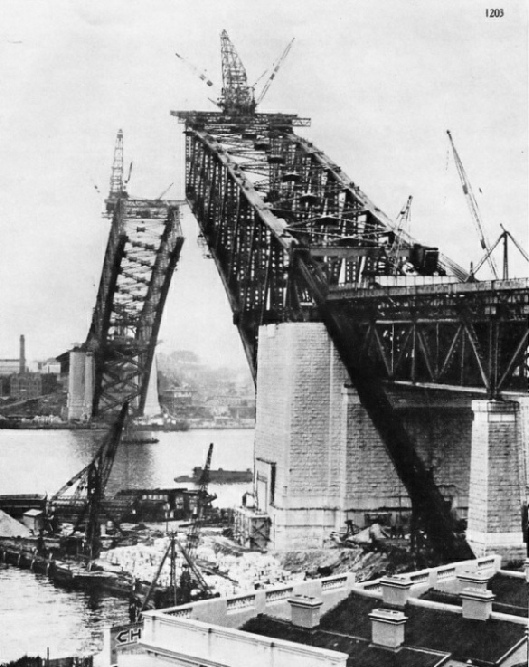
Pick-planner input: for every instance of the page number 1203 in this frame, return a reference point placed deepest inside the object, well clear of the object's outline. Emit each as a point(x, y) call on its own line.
point(494, 13)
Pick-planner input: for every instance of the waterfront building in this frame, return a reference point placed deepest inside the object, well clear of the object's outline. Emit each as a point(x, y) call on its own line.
point(31, 385)
point(463, 613)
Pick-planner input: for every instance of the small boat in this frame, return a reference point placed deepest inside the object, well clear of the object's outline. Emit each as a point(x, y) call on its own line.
point(218, 476)
point(138, 438)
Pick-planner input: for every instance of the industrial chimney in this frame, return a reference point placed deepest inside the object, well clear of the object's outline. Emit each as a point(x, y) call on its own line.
point(22, 357)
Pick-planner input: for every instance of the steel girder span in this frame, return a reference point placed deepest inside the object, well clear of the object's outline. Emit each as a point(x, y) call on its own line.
point(141, 256)
point(294, 239)
point(261, 193)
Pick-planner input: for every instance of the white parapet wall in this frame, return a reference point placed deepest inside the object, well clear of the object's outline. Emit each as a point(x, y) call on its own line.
point(170, 639)
point(235, 610)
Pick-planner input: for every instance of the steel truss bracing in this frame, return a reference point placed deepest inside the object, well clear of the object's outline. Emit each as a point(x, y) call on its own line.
point(141, 255)
point(470, 335)
point(294, 239)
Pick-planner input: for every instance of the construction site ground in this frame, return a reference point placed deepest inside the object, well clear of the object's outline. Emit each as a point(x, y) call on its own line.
point(228, 567)
point(240, 569)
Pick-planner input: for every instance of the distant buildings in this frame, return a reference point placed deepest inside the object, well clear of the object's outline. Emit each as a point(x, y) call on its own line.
point(177, 400)
point(8, 366)
point(49, 366)
point(18, 384)
point(31, 385)
point(206, 397)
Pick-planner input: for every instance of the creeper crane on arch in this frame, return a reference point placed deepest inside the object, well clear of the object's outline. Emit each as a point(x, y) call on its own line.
point(237, 97)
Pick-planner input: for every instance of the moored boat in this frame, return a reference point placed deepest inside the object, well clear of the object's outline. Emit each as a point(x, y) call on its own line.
point(218, 476)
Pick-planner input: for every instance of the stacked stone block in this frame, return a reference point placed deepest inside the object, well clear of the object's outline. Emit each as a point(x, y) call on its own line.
point(496, 492)
point(298, 432)
point(318, 449)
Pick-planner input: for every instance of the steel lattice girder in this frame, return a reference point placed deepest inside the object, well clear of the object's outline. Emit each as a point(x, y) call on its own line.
point(142, 253)
point(472, 334)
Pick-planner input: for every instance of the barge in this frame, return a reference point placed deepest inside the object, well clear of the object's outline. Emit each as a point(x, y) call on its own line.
point(218, 476)
point(71, 573)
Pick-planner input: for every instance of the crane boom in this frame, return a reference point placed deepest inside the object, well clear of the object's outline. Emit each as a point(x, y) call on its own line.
point(201, 75)
point(203, 500)
point(403, 220)
point(94, 477)
point(275, 70)
point(473, 206)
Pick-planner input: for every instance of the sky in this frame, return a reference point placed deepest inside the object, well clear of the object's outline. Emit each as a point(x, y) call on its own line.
point(382, 81)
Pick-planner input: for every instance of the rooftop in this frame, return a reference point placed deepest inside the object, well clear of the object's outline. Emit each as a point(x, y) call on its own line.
point(429, 633)
point(359, 649)
point(510, 592)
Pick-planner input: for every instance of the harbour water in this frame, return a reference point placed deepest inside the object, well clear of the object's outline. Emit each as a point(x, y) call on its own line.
point(35, 615)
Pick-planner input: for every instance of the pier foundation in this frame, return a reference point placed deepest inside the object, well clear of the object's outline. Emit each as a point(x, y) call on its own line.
point(319, 460)
point(497, 487)
point(80, 386)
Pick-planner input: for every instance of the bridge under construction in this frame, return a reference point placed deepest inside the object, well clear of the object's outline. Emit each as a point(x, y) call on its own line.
point(390, 381)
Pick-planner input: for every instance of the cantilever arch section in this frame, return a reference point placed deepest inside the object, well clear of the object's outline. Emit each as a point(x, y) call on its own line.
point(497, 487)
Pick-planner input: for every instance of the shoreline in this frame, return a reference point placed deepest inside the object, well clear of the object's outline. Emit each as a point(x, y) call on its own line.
point(74, 427)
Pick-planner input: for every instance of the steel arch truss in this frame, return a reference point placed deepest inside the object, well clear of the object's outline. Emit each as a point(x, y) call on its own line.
point(259, 191)
point(141, 255)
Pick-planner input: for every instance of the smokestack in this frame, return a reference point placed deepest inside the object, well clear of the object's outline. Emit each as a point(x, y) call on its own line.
point(22, 357)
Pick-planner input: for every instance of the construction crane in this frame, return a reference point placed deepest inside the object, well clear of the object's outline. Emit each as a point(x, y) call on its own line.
point(182, 593)
point(204, 500)
point(473, 206)
point(170, 553)
point(505, 236)
point(93, 479)
point(237, 97)
point(403, 223)
point(117, 181)
point(201, 75)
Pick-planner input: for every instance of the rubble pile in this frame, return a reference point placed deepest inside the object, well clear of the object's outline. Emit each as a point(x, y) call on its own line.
point(246, 571)
point(10, 527)
point(229, 570)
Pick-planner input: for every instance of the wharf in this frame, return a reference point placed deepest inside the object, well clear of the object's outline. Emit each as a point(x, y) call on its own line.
point(22, 553)
point(14, 425)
